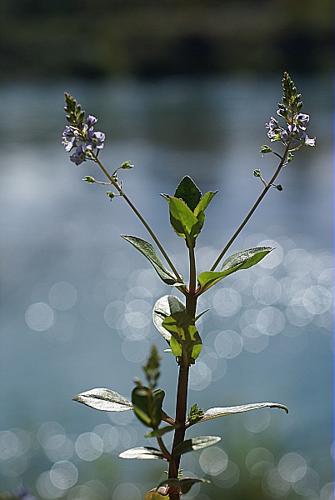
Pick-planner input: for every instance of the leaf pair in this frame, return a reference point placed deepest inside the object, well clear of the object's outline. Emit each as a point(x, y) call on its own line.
point(177, 327)
point(187, 209)
point(237, 261)
point(149, 453)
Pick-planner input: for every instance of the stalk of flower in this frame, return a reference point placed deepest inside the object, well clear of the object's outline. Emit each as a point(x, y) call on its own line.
point(176, 320)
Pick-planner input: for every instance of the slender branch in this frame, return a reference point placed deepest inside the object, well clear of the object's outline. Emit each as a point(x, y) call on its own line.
point(163, 449)
point(166, 418)
point(114, 182)
point(253, 208)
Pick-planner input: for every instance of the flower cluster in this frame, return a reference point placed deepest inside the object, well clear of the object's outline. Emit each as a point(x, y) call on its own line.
point(80, 135)
point(294, 132)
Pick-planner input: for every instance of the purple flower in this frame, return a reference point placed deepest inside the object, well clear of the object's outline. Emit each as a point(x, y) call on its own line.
point(302, 120)
point(99, 139)
point(78, 156)
point(84, 139)
point(68, 138)
point(91, 121)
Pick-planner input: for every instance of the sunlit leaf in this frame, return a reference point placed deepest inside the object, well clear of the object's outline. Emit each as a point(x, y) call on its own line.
point(188, 191)
point(181, 217)
point(149, 252)
point(196, 443)
point(142, 453)
point(204, 202)
point(164, 307)
point(184, 334)
point(104, 399)
point(213, 413)
point(237, 261)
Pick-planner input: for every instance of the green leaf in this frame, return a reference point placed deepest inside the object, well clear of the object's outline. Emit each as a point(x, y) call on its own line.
point(213, 413)
point(151, 368)
point(160, 432)
point(148, 405)
point(195, 414)
point(104, 400)
point(182, 218)
point(189, 192)
point(184, 335)
point(237, 261)
point(164, 307)
point(204, 202)
point(149, 252)
point(195, 444)
point(142, 453)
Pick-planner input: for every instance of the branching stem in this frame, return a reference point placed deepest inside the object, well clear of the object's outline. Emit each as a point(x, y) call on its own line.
point(267, 186)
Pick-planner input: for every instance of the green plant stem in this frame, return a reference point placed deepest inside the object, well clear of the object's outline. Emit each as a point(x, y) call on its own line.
point(183, 376)
point(253, 208)
point(114, 182)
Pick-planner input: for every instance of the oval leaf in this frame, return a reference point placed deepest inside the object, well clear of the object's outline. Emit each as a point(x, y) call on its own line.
point(149, 252)
point(204, 202)
point(195, 444)
point(164, 307)
point(213, 413)
point(104, 400)
point(182, 218)
point(188, 191)
point(142, 453)
point(237, 261)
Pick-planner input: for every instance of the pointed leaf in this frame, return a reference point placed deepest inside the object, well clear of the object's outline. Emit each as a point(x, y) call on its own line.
point(196, 443)
point(164, 307)
point(188, 191)
point(104, 399)
point(204, 202)
point(142, 453)
point(245, 259)
point(149, 252)
point(240, 260)
point(181, 217)
point(213, 413)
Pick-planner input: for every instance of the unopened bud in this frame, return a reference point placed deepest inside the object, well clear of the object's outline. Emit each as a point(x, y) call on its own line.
point(126, 165)
point(110, 195)
point(265, 149)
point(257, 173)
point(89, 179)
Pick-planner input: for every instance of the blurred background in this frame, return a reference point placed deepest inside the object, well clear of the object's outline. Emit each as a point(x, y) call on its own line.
point(180, 87)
